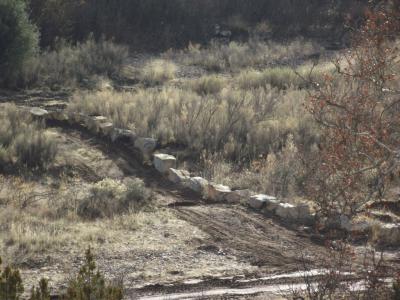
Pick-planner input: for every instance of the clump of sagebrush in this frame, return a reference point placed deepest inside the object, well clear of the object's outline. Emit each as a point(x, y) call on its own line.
point(110, 197)
point(24, 142)
point(240, 124)
point(74, 64)
point(207, 85)
point(90, 284)
point(158, 71)
point(235, 56)
point(42, 292)
point(11, 286)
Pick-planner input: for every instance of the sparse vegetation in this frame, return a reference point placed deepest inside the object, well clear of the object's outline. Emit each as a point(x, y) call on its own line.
point(109, 197)
point(73, 65)
point(11, 286)
point(23, 142)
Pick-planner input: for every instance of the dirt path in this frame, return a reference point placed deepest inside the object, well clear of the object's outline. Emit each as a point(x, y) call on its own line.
point(230, 231)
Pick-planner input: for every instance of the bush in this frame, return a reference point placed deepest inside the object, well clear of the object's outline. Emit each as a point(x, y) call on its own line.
point(24, 142)
point(207, 85)
point(11, 287)
point(109, 197)
point(90, 284)
point(158, 71)
point(18, 39)
point(42, 292)
point(70, 65)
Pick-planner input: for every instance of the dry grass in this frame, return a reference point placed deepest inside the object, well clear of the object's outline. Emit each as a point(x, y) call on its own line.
point(23, 142)
point(158, 71)
point(69, 66)
point(236, 56)
point(240, 124)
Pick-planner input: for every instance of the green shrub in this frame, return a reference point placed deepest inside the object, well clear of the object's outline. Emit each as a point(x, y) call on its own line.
point(11, 287)
point(24, 142)
point(90, 284)
point(18, 39)
point(42, 292)
point(109, 197)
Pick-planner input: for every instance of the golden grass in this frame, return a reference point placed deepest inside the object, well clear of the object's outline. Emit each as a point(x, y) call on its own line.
point(158, 71)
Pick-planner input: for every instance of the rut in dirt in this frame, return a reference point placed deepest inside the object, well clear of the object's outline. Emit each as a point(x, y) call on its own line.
point(247, 235)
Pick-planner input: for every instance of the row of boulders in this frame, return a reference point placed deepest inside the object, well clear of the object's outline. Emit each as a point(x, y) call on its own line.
point(166, 165)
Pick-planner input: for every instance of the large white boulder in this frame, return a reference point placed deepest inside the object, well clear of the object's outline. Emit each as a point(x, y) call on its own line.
point(197, 184)
point(163, 162)
point(260, 201)
point(178, 176)
point(146, 146)
point(238, 196)
point(37, 112)
point(217, 192)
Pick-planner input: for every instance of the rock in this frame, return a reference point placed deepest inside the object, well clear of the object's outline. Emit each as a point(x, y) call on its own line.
point(93, 123)
point(238, 196)
point(106, 128)
point(260, 201)
point(197, 184)
point(37, 112)
point(163, 162)
point(123, 134)
point(388, 234)
point(341, 222)
point(294, 213)
point(217, 192)
point(359, 227)
point(178, 176)
point(146, 146)
point(285, 211)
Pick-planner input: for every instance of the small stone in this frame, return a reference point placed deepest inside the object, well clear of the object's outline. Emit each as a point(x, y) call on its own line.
point(178, 176)
point(217, 192)
point(259, 201)
point(163, 162)
point(37, 112)
point(122, 134)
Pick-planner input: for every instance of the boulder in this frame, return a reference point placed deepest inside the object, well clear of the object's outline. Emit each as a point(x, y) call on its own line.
point(294, 213)
point(197, 184)
point(122, 134)
point(339, 221)
point(286, 211)
point(146, 146)
point(93, 123)
point(106, 128)
point(178, 176)
point(163, 162)
point(260, 201)
point(361, 227)
point(217, 192)
point(38, 113)
point(388, 234)
point(236, 197)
